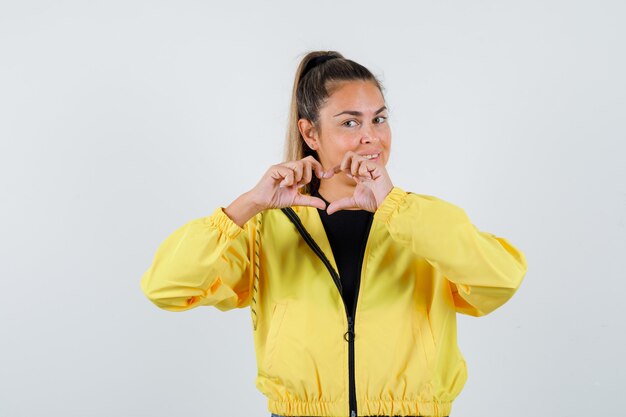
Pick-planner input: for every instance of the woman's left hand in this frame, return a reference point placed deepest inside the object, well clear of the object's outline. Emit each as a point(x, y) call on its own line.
point(372, 183)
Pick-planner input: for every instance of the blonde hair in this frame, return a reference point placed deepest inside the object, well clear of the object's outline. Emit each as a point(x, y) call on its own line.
point(318, 74)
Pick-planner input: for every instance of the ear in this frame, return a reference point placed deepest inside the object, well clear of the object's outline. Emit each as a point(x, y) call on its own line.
point(309, 133)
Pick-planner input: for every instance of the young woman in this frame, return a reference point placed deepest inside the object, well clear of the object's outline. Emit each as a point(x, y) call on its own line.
point(353, 283)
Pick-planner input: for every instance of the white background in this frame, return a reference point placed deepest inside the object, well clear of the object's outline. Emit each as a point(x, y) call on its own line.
point(122, 120)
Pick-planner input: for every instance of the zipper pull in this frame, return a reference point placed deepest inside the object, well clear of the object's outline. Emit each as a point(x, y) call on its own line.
point(349, 335)
point(352, 413)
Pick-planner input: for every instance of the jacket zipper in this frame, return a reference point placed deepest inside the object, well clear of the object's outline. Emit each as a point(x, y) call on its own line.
point(349, 335)
point(351, 320)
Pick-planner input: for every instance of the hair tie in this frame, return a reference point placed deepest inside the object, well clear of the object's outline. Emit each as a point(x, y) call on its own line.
point(318, 60)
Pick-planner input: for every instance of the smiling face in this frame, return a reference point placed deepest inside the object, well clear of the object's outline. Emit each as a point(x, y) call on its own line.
point(353, 118)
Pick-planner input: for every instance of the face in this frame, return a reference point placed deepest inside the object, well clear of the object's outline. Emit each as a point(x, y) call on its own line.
point(354, 118)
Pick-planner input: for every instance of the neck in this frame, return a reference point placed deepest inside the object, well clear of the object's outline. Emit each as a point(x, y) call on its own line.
point(333, 189)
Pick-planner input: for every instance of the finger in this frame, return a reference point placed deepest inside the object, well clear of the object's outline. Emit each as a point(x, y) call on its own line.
point(315, 165)
point(319, 170)
point(280, 172)
point(356, 178)
point(364, 169)
point(343, 203)
point(307, 200)
point(298, 169)
point(289, 180)
point(331, 172)
point(306, 173)
point(354, 164)
point(346, 160)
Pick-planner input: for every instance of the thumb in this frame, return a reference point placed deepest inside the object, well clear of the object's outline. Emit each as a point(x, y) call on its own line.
point(343, 203)
point(307, 200)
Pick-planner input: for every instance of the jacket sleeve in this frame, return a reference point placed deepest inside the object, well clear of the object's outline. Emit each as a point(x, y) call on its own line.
point(484, 270)
point(206, 262)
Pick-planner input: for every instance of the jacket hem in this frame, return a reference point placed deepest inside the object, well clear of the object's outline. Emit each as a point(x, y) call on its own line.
point(404, 408)
point(366, 408)
point(308, 408)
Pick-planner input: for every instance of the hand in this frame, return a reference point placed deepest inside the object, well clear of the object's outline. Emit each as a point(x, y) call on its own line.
point(279, 186)
point(372, 183)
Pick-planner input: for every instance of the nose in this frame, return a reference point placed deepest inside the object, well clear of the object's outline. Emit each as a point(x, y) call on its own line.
point(369, 133)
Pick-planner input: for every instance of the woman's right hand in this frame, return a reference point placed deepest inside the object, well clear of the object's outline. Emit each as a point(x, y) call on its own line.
point(280, 185)
point(278, 188)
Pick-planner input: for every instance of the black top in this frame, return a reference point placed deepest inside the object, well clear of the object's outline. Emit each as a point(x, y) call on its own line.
point(347, 232)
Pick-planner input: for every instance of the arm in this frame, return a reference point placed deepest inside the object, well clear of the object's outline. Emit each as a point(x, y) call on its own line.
point(206, 262)
point(484, 270)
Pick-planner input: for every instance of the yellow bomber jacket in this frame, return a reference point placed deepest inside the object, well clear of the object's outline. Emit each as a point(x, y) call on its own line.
point(397, 353)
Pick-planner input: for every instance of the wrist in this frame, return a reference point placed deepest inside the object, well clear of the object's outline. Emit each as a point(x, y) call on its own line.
point(250, 199)
point(242, 209)
point(386, 190)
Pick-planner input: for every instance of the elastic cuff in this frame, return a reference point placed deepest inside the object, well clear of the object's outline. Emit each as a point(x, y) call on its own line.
point(389, 204)
point(220, 220)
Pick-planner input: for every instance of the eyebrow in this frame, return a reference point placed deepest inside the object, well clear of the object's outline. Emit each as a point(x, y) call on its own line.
point(358, 113)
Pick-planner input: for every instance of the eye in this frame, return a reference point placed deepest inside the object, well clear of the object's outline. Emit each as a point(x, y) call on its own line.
point(348, 121)
point(381, 117)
